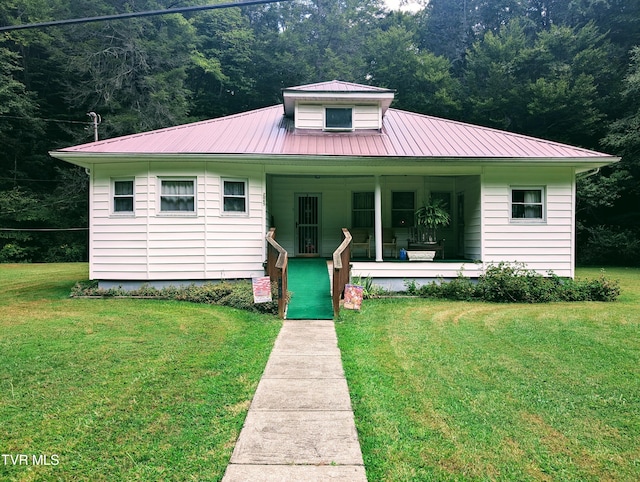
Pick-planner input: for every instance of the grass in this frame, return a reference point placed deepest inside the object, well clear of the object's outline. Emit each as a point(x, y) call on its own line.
point(478, 391)
point(120, 389)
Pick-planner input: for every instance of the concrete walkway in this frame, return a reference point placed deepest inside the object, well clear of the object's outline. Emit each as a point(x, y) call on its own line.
point(300, 424)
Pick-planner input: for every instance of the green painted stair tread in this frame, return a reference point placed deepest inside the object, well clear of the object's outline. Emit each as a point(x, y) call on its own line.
point(310, 288)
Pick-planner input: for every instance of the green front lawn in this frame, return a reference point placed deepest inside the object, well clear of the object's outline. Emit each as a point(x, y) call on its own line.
point(120, 389)
point(477, 391)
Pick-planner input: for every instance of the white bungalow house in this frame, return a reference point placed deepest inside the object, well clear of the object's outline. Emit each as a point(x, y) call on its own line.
point(193, 202)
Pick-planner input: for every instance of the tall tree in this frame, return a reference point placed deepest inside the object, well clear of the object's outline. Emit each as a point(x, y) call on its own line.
point(624, 139)
point(219, 79)
point(569, 85)
point(545, 85)
point(17, 111)
point(619, 18)
point(450, 27)
point(446, 28)
point(423, 81)
point(22, 167)
point(494, 77)
point(132, 72)
point(311, 41)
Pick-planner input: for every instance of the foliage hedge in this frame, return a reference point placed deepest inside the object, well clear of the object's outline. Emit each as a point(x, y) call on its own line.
point(513, 283)
point(237, 294)
point(501, 283)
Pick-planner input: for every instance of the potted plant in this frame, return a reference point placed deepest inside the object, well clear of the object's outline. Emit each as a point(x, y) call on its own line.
point(429, 217)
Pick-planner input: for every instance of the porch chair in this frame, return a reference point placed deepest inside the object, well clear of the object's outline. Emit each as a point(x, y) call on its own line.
point(389, 241)
point(360, 238)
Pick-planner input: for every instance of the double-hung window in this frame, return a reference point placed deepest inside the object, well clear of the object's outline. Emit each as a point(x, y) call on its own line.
point(177, 195)
point(403, 207)
point(123, 196)
point(234, 197)
point(527, 204)
point(363, 210)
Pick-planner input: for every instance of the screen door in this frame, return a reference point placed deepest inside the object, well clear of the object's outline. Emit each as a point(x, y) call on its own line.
point(307, 224)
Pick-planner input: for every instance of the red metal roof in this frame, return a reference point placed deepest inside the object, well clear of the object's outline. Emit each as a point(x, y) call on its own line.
point(268, 132)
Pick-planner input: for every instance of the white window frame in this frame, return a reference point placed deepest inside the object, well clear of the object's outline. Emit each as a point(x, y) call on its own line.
point(338, 129)
point(542, 203)
point(162, 212)
point(245, 197)
point(115, 196)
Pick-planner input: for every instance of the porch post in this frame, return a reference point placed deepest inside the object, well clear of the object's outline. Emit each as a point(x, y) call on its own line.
point(378, 219)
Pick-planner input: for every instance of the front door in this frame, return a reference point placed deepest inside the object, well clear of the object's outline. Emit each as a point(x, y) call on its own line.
point(307, 225)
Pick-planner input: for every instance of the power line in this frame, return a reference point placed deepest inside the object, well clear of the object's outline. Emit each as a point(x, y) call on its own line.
point(149, 13)
point(41, 230)
point(44, 119)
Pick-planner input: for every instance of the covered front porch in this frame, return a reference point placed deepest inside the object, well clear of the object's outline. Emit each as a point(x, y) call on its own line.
point(309, 212)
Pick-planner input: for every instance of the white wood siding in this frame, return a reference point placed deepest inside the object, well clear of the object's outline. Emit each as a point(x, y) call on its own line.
point(149, 245)
point(119, 241)
point(311, 116)
point(367, 117)
point(543, 246)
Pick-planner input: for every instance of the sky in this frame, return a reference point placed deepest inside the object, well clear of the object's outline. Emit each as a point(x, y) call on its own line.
point(394, 5)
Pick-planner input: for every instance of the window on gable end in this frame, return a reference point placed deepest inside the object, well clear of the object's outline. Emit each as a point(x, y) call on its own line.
point(338, 118)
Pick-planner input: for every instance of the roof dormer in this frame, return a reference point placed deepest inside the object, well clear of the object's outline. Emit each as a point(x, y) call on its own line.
point(337, 106)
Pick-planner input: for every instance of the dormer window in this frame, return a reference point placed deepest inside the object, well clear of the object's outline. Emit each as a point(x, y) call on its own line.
point(338, 118)
point(336, 106)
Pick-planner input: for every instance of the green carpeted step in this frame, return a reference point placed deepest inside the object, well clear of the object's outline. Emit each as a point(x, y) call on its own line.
point(309, 284)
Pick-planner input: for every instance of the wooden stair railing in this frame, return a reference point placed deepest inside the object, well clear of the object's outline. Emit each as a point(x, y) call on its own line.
point(277, 261)
point(341, 269)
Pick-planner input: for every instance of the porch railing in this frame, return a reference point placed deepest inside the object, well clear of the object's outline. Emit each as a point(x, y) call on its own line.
point(277, 260)
point(341, 269)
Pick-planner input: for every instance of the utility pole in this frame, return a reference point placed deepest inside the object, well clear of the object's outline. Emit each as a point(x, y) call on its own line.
point(96, 121)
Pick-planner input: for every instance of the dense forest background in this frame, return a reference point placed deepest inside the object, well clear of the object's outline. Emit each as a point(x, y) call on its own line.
point(566, 70)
